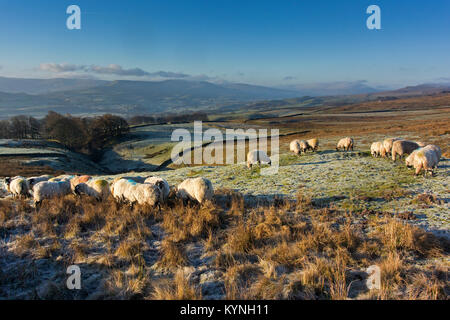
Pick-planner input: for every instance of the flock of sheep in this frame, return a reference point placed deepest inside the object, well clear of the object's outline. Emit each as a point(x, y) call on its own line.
point(151, 191)
point(420, 156)
point(154, 191)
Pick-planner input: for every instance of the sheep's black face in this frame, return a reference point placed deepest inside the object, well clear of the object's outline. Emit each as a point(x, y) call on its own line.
point(8, 181)
point(77, 190)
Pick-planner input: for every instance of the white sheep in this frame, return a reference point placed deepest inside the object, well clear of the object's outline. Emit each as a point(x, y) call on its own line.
point(425, 159)
point(387, 144)
point(304, 146)
point(130, 191)
point(32, 181)
point(18, 187)
point(8, 181)
point(294, 147)
point(97, 188)
point(257, 157)
point(409, 161)
point(199, 189)
point(313, 144)
point(345, 144)
point(403, 147)
point(436, 149)
point(377, 149)
point(162, 184)
point(50, 189)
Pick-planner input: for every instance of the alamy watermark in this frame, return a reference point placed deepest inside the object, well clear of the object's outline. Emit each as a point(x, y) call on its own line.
point(208, 147)
point(374, 20)
point(74, 280)
point(73, 22)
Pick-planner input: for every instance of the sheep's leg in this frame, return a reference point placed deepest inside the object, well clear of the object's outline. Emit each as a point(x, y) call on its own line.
point(418, 169)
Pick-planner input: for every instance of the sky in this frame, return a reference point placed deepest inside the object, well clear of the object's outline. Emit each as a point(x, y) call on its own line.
point(274, 43)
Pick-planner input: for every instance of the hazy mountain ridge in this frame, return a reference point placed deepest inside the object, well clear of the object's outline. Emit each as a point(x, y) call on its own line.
point(42, 86)
point(139, 97)
point(125, 97)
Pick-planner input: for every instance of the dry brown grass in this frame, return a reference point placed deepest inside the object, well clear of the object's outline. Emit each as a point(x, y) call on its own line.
point(178, 289)
point(284, 250)
point(14, 166)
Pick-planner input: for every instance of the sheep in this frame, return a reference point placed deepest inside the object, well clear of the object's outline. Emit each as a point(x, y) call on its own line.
point(294, 147)
point(409, 161)
point(387, 144)
point(79, 179)
point(402, 147)
point(425, 159)
point(8, 181)
point(304, 146)
point(162, 184)
point(313, 144)
point(345, 144)
point(97, 188)
point(436, 149)
point(32, 181)
point(50, 189)
point(18, 187)
point(257, 157)
point(133, 192)
point(199, 189)
point(377, 149)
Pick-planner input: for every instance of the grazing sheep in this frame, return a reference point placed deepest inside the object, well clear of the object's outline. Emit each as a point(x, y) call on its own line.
point(409, 161)
point(377, 149)
point(345, 144)
point(50, 189)
point(32, 181)
point(402, 147)
point(257, 157)
point(199, 189)
point(313, 144)
point(97, 188)
point(162, 184)
point(8, 181)
point(436, 149)
point(387, 144)
point(425, 159)
point(18, 187)
point(79, 179)
point(304, 146)
point(130, 191)
point(294, 147)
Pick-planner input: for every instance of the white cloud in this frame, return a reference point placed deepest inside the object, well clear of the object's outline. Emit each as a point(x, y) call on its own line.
point(112, 69)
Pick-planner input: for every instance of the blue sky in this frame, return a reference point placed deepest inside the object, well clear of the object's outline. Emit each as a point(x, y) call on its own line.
point(278, 43)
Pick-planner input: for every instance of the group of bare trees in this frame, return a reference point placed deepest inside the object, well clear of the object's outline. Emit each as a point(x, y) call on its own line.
point(87, 135)
point(20, 127)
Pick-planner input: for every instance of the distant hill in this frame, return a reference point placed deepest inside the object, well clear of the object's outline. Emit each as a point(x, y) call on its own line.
point(40, 86)
point(88, 97)
point(133, 97)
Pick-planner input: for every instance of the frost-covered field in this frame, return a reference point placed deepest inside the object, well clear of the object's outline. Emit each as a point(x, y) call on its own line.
point(353, 181)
